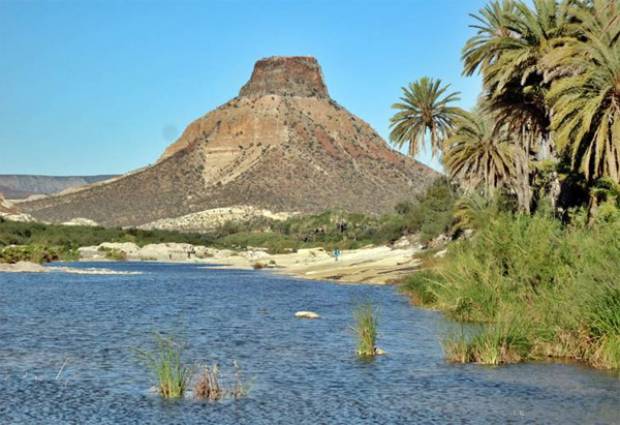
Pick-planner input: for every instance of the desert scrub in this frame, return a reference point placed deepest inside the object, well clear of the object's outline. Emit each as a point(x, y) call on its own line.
point(365, 328)
point(164, 361)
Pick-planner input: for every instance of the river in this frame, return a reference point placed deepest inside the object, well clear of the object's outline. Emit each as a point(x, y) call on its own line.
point(68, 355)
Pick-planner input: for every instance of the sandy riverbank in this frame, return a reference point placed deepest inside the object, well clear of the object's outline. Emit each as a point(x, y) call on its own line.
point(375, 265)
point(372, 265)
point(28, 267)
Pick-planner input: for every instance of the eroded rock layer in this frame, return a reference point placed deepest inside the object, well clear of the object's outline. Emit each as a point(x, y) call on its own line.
point(281, 145)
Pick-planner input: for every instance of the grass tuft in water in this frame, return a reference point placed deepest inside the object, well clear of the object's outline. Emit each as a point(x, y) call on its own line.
point(209, 386)
point(366, 325)
point(165, 362)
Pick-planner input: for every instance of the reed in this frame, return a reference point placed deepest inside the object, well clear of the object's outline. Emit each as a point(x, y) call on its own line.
point(537, 287)
point(165, 362)
point(209, 385)
point(366, 325)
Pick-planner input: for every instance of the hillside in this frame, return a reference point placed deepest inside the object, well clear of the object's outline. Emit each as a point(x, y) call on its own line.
point(283, 145)
point(18, 186)
point(6, 207)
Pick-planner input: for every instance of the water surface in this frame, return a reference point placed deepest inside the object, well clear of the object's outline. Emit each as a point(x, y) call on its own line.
point(302, 372)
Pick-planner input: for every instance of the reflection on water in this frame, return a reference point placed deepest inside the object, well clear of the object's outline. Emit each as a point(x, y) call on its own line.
point(303, 372)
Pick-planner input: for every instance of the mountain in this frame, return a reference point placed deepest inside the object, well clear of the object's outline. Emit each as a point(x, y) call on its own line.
point(6, 207)
point(282, 144)
point(16, 186)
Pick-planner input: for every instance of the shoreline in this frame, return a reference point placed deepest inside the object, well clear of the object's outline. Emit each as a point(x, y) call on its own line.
point(375, 265)
point(380, 265)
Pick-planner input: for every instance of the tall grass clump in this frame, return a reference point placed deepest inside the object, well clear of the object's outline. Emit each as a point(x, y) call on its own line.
point(540, 288)
point(366, 325)
point(165, 362)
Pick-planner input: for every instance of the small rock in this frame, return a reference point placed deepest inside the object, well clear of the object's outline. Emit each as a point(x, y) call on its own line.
point(80, 221)
point(441, 253)
point(306, 315)
point(379, 351)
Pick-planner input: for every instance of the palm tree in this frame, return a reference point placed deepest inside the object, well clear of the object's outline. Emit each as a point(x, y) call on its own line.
point(586, 103)
point(508, 49)
point(481, 155)
point(494, 36)
point(424, 107)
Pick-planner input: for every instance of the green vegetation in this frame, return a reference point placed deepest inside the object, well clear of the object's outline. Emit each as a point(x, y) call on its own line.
point(37, 254)
point(366, 324)
point(113, 254)
point(542, 288)
point(15, 233)
point(424, 107)
point(165, 362)
point(41, 243)
point(173, 377)
point(429, 215)
point(537, 163)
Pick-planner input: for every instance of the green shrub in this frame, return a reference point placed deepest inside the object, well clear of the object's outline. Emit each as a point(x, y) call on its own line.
point(16, 233)
point(432, 214)
point(36, 254)
point(114, 254)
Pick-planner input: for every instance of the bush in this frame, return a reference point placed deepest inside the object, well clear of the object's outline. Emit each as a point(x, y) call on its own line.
point(114, 254)
point(562, 278)
point(53, 235)
point(36, 254)
point(432, 214)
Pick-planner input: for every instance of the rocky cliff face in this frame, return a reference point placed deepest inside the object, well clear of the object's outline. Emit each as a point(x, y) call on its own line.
point(299, 76)
point(6, 207)
point(281, 145)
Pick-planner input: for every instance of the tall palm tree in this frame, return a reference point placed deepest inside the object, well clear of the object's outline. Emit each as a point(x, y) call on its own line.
point(586, 103)
point(425, 107)
point(481, 155)
point(508, 50)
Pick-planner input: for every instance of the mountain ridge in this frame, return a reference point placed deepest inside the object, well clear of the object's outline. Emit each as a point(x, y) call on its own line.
point(19, 186)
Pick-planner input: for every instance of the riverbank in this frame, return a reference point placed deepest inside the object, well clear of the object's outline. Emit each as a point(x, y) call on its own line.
point(370, 265)
point(29, 267)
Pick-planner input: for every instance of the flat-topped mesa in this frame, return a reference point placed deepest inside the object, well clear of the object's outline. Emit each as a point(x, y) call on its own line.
point(286, 76)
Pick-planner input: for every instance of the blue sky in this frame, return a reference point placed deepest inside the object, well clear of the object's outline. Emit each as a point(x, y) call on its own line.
point(97, 87)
